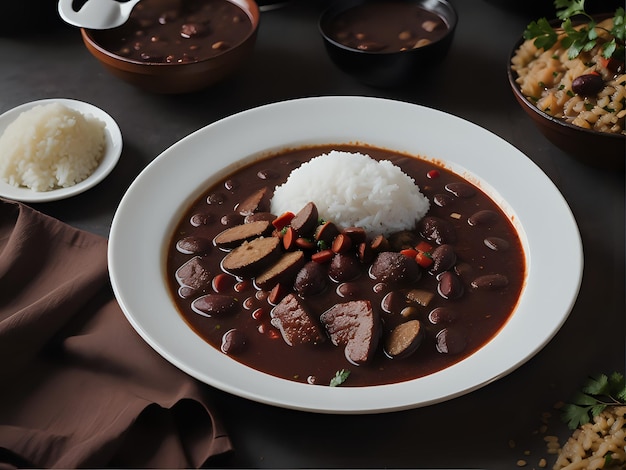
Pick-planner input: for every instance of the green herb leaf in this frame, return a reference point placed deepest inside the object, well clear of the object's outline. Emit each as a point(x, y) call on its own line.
point(598, 393)
point(568, 8)
point(584, 38)
point(340, 377)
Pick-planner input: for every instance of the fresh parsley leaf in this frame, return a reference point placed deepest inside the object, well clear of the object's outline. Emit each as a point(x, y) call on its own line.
point(544, 35)
point(568, 8)
point(596, 395)
point(340, 377)
point(581, 39)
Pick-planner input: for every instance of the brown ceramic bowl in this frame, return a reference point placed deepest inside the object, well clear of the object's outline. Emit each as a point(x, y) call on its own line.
point(598, 149)
point(167, 71)
point(396, 63)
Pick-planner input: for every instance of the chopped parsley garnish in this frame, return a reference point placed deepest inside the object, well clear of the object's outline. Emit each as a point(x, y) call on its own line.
point(340, 377)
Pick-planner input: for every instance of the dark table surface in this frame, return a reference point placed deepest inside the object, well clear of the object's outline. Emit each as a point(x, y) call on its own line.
point(491, 428)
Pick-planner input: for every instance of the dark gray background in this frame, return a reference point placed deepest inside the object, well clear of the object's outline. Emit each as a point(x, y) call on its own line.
point(289, 61)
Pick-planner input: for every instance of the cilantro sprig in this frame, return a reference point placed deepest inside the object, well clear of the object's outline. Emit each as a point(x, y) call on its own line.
point(581, 39)
point(596, 395)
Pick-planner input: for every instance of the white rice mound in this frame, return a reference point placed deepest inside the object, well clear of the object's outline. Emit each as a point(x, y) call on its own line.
point(51, 146)
point(354, 190)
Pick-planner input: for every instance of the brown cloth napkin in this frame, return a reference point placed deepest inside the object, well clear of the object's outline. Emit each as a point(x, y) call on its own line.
point(78, 387)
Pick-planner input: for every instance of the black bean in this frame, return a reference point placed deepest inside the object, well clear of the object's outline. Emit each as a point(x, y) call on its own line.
point(214, 199)
point(267, 174)
point(442, 200)
point(393, 302)
point(311, 279)
point(450, 341)
point(213, 304)
point(442, 315)
point(484, 217)
point(233, 341)
point(587, 85)
point(193, 245)
point(443, 257)
point(344, 268)
point(200, 219)
point(461, 189)
point(450, 286)
point(497, 243)
point(490, 281)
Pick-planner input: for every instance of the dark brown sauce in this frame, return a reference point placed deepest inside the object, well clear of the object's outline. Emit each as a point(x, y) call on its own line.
point(480, 314)
point(391, 26)
point(177, 31)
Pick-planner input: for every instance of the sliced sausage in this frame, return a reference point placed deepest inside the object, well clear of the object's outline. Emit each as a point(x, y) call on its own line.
point(235, 236)
point(284, 271)
point(305, 221)
point(250, 258)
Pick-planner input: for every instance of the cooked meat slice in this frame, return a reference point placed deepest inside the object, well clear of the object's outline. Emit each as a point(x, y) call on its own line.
point(284, 271)
point(254, 203)
point(194, 274)
point(251, 258)
point(235, 236)
point(295, 323)
point(305, 221)
point(356, 326)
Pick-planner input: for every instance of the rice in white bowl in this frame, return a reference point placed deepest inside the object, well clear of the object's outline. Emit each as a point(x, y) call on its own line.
point(354, 190)
point(51, 146)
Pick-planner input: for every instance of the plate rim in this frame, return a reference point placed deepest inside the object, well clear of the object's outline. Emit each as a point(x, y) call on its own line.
point(341, 399)
point(114, 144)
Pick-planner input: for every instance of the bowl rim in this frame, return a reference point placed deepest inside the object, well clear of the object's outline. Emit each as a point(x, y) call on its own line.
point(339, 7)
point(249, 7)
point(554, 121)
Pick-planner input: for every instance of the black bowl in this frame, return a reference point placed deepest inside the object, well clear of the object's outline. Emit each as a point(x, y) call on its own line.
point(386, 67)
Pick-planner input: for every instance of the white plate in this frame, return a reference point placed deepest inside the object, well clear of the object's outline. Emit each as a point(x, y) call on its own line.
point(109, 160)
point(174, 179)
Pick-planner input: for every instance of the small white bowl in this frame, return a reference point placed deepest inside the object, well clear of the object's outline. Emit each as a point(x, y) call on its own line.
point(110, 158)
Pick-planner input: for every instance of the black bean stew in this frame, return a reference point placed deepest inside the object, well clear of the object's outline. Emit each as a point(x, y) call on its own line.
point(177, 31)
point(390, 26)
point(298, 298)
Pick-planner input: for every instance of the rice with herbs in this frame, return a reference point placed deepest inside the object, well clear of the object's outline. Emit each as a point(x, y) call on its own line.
point(599, 444)
point(354, 190)
point(545, 78)
point(51, 146)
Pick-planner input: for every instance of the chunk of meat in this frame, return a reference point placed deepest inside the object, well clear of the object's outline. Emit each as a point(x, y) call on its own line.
point(356, 326)
point(194, 274)
point(395, 268)
point(251, 258)
point(256, 202)
point(295, 323)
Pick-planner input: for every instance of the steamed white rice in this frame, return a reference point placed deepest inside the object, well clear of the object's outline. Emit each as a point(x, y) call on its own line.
point(354, 190)
point(51, 146)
